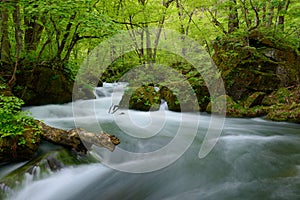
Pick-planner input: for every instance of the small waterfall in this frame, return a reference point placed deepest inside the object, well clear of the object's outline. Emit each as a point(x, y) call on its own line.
point(163, 105)
point(108, 89)
point(101, 92)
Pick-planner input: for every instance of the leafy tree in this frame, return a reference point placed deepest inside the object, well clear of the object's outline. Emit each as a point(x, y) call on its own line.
point(45, 33)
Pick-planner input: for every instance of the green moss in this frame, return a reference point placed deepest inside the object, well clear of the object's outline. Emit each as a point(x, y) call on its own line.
point(284, 112)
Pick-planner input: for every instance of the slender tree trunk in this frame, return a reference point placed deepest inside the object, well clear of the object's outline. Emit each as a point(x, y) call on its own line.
point(63, 43)
point(257, 20)
point(33, 33)
point(180, 16)
point(149, 56)
point(270, 16)
point(18, 38)
point(5, 44)
point(245, 14)
point(160, 26)
point(281, 6)
point(264, 13)
point(215, 20)
point(181, 27)
point(233, 18)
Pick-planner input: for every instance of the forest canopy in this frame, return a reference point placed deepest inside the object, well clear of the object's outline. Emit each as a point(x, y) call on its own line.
point(63, 32)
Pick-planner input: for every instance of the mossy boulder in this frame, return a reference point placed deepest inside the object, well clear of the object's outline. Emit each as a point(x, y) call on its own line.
point(196, 82)
point(144, 98)
point(180, 97)
point(171, 99)
point(285, 113)
point(284, 104)
point(254, 63)
point(221, 105)
point(148, 97)
point(234, 109)
point(43, 85)
point(282, 96)
point(254, 99)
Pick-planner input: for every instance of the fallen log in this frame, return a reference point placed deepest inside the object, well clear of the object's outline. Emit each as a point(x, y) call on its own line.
point(78, 138)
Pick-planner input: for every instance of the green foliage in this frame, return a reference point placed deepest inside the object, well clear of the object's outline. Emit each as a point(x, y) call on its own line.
point(13, 121)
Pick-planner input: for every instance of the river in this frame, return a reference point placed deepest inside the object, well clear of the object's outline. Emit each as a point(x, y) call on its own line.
point(252, 159)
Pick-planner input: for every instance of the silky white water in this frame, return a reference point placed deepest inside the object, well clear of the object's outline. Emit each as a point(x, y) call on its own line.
point(253, 158)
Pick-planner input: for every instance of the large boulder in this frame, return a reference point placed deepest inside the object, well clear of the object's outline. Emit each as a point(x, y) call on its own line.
point(144, 98)
point(284, 104)
point(179, 97)
point(149, 97)
point(43, 85)
point(255, 64)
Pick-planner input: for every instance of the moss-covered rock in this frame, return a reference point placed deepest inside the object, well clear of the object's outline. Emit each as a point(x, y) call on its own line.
point(285, 113)
point(284, 105)
point(148, 98)
point(19, 135)
point(144, 98)
point(180, 97)
point(282, 96)
point(254, 99)
point(234, 109)
point(43, 85)
point(221, 105)
point(171, 99)
point(254, 63)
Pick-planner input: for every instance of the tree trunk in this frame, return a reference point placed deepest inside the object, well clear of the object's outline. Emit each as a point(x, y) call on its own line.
point(245, 14)
point(149, 56)
point(270, 15)
point(18, 38)
point(33, 32)
point(63, 43)
point(5, 44)
point(280, 22)
point(233, 19)
point(264, 11)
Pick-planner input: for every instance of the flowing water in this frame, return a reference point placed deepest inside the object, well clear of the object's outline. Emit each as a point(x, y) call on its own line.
point(253, 158)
